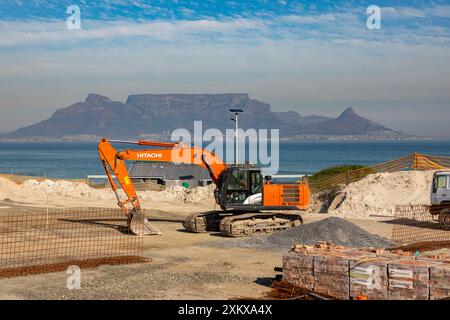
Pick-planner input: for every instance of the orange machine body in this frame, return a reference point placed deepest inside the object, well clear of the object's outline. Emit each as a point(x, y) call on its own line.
point(297, 195)
point(290, 196)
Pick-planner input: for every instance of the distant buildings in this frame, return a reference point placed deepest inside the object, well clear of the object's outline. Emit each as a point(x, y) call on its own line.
point(170, 174)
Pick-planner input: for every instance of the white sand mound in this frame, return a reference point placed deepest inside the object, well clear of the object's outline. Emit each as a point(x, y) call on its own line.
point(180, 194)
point(379, 194)
point(35, 192)
point(61, 188)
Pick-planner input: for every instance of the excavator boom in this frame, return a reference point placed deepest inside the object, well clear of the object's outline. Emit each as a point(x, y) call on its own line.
point(114, 163)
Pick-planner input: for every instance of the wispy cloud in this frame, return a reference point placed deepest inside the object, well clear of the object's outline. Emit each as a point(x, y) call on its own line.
point(348, 26)
point(414, 12)
point(20, 33)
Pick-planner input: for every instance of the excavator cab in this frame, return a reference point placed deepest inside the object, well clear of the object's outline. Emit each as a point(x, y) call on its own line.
point(239, 186)
point(243, 188)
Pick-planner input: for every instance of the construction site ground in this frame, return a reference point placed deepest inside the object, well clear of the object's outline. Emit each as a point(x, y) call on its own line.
point(178, 268)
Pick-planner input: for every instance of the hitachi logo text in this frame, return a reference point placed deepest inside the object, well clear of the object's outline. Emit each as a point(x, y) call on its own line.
point(149, 155)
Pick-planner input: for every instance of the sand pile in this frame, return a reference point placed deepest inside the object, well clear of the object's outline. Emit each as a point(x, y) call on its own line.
point(35, 192)
point(180, 194)
point(7, 188)
point(64, 188)
point(335, 230)
point(379, 194)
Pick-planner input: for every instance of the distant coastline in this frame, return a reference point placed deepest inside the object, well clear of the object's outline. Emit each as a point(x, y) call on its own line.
point(76, 160)
point(299, 138)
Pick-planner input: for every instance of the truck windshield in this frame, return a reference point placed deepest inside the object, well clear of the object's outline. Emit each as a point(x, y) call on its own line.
point(439, 182)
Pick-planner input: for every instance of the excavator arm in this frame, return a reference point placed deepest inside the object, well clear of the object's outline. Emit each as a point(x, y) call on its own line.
point(114, 164)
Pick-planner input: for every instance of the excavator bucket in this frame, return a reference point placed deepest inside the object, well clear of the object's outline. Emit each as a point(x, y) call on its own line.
point(140, 226)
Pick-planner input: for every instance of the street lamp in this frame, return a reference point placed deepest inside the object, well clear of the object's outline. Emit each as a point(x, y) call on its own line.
point(236, 137)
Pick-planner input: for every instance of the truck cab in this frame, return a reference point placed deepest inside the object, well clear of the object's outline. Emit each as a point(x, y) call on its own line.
point(440, 193)
point(440, 198)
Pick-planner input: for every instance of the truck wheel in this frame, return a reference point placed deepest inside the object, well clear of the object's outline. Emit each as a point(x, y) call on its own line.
point(444, 218)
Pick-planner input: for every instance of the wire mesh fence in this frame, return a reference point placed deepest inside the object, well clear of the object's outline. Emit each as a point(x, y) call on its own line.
point(40, 240)
point(414, 161)
point(417, 228)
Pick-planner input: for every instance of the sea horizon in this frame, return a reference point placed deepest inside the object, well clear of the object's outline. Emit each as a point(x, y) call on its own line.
point(77, 160)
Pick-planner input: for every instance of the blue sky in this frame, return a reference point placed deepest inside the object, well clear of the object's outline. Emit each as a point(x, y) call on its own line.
point(314, 57)
point(194, 9)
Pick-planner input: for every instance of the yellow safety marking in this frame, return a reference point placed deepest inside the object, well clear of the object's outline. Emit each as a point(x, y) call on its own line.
point(127, 180)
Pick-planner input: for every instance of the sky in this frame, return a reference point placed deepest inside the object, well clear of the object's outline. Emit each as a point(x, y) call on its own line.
point(313, 57)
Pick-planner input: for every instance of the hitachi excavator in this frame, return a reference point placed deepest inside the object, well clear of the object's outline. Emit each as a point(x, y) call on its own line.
point(251, 204)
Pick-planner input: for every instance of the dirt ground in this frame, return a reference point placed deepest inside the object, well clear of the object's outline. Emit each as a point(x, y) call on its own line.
point(178, 268)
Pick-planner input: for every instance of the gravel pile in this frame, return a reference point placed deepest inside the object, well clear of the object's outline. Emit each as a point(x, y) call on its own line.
point(335, 230)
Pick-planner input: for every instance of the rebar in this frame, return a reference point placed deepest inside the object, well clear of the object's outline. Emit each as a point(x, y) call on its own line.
point(39, 240)
point(283, 290)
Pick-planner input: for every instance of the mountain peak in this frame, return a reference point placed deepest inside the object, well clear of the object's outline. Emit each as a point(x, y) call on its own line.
point(348, 123)
point(94, 98)
point(150, 114)
point(348, 112)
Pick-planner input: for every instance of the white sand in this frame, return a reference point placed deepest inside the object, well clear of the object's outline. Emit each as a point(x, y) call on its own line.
point(63, 193)
point(379, 194)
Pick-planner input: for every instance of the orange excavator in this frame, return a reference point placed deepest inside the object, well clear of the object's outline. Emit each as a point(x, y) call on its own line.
point(251, 204)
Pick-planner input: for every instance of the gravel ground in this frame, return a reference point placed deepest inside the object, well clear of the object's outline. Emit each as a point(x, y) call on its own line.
point(335, 230)
point(141, 281)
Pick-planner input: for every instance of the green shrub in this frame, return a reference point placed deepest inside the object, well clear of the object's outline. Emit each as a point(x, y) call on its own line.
point(337, 170)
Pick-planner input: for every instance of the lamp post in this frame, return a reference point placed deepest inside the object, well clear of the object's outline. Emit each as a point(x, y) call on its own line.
point(236, 137)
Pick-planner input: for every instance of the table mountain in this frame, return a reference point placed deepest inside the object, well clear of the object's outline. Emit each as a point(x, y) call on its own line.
point(158, 113)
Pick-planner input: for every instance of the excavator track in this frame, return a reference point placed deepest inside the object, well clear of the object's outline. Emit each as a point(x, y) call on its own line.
point(250, 224)
point(204, 222)
point(241, 225)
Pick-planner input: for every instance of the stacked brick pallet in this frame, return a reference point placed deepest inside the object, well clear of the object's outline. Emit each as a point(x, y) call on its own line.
point(368, 279)
point(440, 282)
point(374, 274)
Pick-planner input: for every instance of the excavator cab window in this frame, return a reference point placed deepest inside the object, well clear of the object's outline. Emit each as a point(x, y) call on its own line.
point(242, 184)
point(255, 182)
point(238, 181)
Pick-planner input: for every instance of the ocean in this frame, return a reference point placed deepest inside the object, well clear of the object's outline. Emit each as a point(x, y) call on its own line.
point(76, 160)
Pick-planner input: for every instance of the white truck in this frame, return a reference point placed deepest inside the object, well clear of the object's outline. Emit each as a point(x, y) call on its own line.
point(440, 197)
